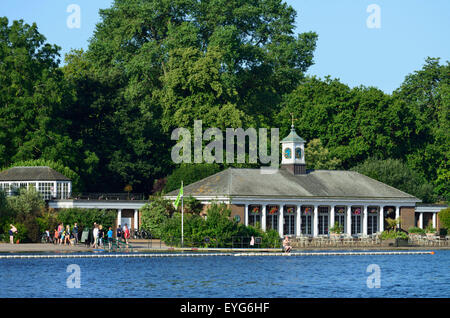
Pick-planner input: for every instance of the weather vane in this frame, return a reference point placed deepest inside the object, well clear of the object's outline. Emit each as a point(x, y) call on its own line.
point(292, 116)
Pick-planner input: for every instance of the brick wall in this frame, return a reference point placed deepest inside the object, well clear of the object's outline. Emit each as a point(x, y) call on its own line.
point(238, 209)
point(407, 217)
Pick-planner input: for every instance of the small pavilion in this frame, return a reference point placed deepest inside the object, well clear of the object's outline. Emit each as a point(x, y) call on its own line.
point(50, 183)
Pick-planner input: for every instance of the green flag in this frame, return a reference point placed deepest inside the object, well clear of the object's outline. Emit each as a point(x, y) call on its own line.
point(180, 194)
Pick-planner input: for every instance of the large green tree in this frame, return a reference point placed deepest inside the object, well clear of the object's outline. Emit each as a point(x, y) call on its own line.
point(398, 175)
point(353, 123)
point(427, 94)
point(35, 100)
point(159, 64)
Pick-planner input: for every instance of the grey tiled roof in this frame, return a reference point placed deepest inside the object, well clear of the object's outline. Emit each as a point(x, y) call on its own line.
point(314, 184)
point(32, 174)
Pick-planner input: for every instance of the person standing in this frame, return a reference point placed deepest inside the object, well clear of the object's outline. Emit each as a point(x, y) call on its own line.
point(286, 244)
point(88, 241)
point(75, 233)
point(100, 235)
point(60, 231)
point(67, 235)
point(12, 230)
point(126, 234)
point(56, 236)
point(95, 235)
point(110, 237)
point(119, 232)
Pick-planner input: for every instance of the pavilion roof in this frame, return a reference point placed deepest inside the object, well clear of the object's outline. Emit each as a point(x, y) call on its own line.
point(38, 173)
point(313, 184)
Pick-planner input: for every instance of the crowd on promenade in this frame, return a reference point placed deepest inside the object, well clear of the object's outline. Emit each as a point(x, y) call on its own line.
point(94, 237)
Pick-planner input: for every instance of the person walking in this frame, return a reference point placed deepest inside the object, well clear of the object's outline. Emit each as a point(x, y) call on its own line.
point(12, 230)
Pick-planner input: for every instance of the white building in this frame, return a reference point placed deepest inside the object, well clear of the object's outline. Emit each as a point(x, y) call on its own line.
point(50, 183)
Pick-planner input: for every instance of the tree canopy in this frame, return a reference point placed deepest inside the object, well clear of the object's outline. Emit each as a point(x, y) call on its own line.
point(155, 65)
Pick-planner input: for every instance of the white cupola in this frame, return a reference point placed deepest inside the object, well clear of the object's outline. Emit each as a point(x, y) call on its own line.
point(293, 152)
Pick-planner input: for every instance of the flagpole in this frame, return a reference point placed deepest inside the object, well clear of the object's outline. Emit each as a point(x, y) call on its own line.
point(182, 217)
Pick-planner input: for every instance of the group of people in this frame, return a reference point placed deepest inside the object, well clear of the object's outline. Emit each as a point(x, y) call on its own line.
point(63, 235)
point(97, 236)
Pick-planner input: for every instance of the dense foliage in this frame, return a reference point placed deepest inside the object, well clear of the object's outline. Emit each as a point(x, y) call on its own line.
point(155, 214)
point(27, 212)
point(444, 218)
point(189, 173)
point(386, 235)
point(85, 218)
point(398, 175)
point(154, 65)
point(218, 227)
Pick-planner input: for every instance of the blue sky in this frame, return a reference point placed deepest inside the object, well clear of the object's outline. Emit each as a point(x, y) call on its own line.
point(410, 30)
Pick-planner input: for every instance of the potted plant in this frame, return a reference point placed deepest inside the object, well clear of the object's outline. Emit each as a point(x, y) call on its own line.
point(255, 210)
point(430, 230)
point(336, 230)
point(273, 210)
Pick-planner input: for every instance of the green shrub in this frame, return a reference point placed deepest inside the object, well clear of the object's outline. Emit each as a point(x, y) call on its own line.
point(86, 217)
point(386, 235)
point(218, 226)
point(430, 228)
point(25, 208)
point(444, 218)
point(155, 214)
point(336, 228)
point(416, 230)
point(21, 234)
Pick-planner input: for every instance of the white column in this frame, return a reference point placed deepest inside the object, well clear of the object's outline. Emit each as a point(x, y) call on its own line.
point(246, 215)
point(299, 220)
point(316, 221)
point(281, 221)
point(421, 220)
point(397, 214)
point(119, 217)
point(136, 219)
point(55, 190)
point(434, 220)
point(264, 216)
point(332, 219)
point(364, 219)
point(349, 220)
point(69, 189)
point(381, 211)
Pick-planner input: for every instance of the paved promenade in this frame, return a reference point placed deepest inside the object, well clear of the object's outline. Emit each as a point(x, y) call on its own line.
point(157, 246)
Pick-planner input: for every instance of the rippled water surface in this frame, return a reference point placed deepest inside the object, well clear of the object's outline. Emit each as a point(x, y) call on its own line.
point(227, 276)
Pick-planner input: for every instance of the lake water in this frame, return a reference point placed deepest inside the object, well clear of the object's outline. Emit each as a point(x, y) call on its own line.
point(230, 277)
